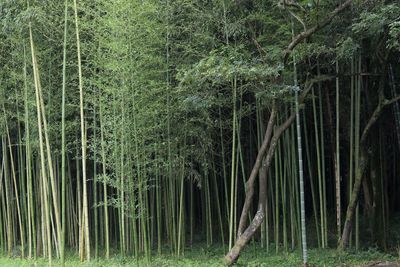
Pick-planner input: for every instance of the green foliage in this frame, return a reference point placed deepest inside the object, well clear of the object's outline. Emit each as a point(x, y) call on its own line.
point(375, 23)
point(221, 67)
point(347, 48)
point(200, 257)
point(394, 35)
point(185, 89)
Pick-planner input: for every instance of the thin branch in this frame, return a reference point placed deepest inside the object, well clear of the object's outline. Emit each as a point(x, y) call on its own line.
point(305, 34)
point(375, 116)
point(391, 101)
point(291, 3)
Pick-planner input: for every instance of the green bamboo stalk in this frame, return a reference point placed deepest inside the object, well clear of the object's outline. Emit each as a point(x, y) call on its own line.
point(300, 158)
point(283, 183)
point(320, 188)
point(85, 220)
point(181, 207)
point(351, 130)
point(46, 218)
point(50, 165)
point(28, 168)
point(9, 224)
point(226, 198)
point(3, 216)
point(217, 198)
point(95, 178)
point(382, 187)
point(158, 201)
point(277, 213)
point(14, 176)
point(63, 179)
point(105, 193)
point(338, 191)
point(233, 173)
point(22, 179)
point(122, 182)
point(357, 141)
point(321, 125)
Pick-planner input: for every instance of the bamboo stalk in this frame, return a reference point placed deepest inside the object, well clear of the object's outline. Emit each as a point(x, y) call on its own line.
point(85, 219)
point(63, 179)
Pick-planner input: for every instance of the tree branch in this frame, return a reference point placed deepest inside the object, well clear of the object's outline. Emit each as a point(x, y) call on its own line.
point(305, 34)
point(375, 116)
point(391, 101)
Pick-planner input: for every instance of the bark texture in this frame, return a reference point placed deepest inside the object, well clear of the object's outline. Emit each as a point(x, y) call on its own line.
point(254, 172)
point(305, 34)
point(270, 146)
point(344, 241)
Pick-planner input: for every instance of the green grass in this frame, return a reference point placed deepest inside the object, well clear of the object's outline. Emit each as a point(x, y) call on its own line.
point(200, 256)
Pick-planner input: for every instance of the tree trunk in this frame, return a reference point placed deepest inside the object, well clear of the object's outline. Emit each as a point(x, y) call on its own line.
point(241, 242)
point(232, 256)
point(244, 238)
point(254, 172)
point(360, 169)
point(344, 242)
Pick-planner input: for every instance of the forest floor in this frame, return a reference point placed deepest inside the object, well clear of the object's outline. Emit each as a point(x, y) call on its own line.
point(254, 256)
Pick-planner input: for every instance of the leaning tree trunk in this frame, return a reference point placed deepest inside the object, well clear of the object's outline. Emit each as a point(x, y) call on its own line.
point(360, 169)
point(354, 199)
point(244, 238)
point(254, 172)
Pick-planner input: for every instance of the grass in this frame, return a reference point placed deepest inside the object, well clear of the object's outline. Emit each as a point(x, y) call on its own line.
point(201, 256)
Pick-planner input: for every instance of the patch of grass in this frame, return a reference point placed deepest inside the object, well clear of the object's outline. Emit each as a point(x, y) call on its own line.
point(200, 256)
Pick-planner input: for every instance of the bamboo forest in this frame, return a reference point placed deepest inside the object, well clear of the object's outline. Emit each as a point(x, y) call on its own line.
point(200, 133)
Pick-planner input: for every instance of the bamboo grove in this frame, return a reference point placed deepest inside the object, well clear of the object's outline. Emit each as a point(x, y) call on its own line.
point(148, 127)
